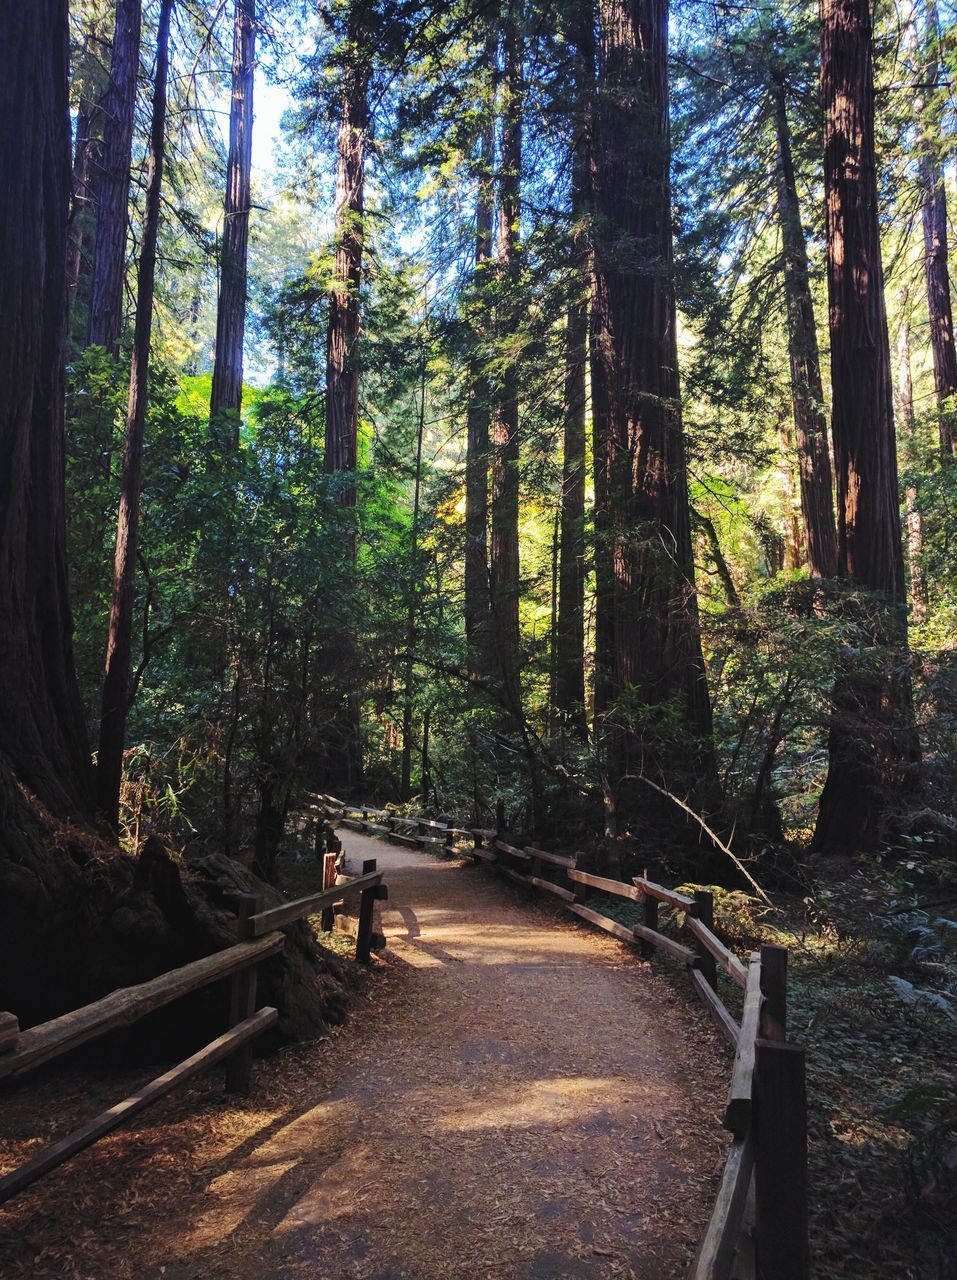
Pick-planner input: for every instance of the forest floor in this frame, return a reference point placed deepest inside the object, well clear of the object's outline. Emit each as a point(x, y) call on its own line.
point(514, 1097)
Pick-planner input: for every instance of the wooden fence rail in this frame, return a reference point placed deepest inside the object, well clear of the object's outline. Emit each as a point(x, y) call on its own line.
point(758, 1225)
point(21, 1051)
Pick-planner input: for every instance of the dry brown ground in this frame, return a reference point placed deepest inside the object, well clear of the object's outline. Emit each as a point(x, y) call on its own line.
point(514, 1098)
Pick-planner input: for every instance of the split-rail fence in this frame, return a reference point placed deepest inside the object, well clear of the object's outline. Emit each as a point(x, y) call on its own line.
point(759, 1222)
point(258, 940)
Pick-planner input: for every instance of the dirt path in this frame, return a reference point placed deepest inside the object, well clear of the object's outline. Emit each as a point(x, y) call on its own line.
point(514, 1097)
point(540, 1106)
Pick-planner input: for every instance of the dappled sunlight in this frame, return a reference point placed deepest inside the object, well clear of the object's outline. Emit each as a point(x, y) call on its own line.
point(306, 1138)
point(558, 1101)
point(232, 1197)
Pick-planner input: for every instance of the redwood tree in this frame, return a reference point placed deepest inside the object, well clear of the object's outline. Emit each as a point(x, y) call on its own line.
point(807, 391)
point(116, 682)
point(652, 702)
point(504, 548)
point(342, 357)
point(929, 111)
point(43, 745)
point(570, 620)
point(478, 414)
point(873, 748)
point(227, 390)
point(113, 179)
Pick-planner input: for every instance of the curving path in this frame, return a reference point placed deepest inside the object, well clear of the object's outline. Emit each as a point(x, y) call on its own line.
point(535, 1104)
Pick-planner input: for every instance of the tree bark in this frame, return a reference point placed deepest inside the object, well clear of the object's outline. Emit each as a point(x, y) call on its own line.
point(342, 364)
point(79, 260)
point(412, 598)
point(342, 371)
point(929, 111)
point(570, 622)
point(807, 391)
point(570, 628)
point(504, 557)
point(43, 744)
point(873, 751)
point(647, 607)
point(915, 555)
point(227, 390)
point(478, 413)
point(116, 683)
point(113, 181)
point(915, 523)
point(905, 381)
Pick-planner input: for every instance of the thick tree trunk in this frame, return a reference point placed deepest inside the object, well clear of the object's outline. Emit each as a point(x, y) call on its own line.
point(929, 112)
point(478, 413)
point(807, 391)
point(647, 606)
point(43, 744)
point(116, 683)
point(504, 558)
point(113, 182)
point(342, 368)
point(227, 390)
point(873, 750)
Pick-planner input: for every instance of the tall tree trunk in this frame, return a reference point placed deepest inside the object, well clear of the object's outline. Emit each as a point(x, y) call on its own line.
point(116, 682)
point(648, 620)
point(915, 522)
point(794, 550)
point(905, 380)
point(342, 367)
point(570, 623)
point(504, 558)
point(79, 259)
point(807, 391)
point(478, 413)
point(874, 755)
point(929, 113)
point(412, 599)
point(43, 745)
point(227, 390)
point(915, 555)
point(113, 183)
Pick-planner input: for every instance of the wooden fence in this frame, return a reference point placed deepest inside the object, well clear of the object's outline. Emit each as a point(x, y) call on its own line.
point(759, 1224)
point(21, 1051)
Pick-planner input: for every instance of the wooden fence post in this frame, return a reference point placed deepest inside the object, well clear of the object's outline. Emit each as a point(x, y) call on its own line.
point(366, 908)
point(780, 1161)
point(327, 918)
point(242, 999)
point(651, 922)
point(774, 988)
point(704, 911)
